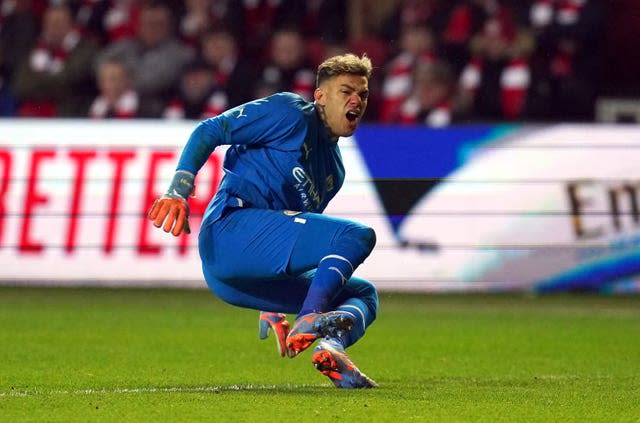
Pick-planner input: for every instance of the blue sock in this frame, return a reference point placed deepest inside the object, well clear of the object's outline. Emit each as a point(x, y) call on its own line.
point(363, 317)
point(333, 271)
point(349, 249)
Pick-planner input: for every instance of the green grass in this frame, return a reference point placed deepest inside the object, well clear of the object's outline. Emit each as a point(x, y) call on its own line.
point(172, 355)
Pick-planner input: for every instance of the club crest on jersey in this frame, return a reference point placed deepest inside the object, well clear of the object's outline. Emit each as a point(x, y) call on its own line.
point(329, 183)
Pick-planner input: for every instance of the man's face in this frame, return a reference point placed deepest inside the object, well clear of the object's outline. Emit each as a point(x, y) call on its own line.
point(154, 26)
point(113, 80)
point(196, 84)
point(218, 47)
point(344, 100)
point(57, 23)
point(287, 50)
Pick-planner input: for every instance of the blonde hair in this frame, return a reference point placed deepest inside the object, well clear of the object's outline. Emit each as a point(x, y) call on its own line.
point(348, 64)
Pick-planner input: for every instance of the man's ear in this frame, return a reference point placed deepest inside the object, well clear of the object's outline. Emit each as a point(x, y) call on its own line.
point(319, 96)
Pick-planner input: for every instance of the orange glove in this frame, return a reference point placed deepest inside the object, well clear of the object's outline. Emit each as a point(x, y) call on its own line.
point(173, 211)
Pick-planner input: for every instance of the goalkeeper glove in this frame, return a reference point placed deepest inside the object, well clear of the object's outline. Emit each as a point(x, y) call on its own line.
point(171, 211)
point(280, 326)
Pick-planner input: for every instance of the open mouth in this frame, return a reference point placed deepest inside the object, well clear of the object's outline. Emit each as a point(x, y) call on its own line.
point(351, 116)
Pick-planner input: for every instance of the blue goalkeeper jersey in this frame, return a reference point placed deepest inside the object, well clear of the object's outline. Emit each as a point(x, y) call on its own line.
point(280, 156)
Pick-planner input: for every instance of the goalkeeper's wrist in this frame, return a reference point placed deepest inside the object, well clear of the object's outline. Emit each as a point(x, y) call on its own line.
point(181, 184)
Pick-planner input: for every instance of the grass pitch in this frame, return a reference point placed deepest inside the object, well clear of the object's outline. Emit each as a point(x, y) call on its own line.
point(173, 355)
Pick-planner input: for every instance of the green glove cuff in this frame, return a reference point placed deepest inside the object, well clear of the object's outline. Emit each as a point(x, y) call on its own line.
point(181, 184)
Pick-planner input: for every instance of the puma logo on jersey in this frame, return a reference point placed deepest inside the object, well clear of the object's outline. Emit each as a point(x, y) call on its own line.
point(307, 150)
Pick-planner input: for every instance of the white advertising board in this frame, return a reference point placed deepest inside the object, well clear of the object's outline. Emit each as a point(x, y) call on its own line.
point(526, 208)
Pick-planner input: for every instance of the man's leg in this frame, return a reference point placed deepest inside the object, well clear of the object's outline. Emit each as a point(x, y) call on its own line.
point(257, 258)
point(360, 298)
point(335, 248)
point(348, 244)
point(249, 248)
point(330, 359)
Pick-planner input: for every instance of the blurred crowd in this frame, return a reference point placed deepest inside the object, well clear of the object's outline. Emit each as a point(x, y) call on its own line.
point(436, 62)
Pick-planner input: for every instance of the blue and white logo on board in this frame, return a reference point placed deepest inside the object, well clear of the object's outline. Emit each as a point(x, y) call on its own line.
point(504, 207)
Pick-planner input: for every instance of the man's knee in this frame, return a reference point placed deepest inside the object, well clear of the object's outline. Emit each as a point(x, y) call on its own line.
point(365, 293)
point(359, 237)
point(368, 237)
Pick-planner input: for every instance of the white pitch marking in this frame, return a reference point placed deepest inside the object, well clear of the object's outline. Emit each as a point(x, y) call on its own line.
point(153, 390)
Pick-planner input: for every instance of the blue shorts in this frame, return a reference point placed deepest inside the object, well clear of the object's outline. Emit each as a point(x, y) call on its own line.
point(265, 259)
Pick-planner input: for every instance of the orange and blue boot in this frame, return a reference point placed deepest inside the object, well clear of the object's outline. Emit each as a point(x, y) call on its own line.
point(277, 322)
point(312, 326)
point(331, 360)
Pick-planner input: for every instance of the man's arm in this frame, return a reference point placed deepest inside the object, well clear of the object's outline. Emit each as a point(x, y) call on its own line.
point(260, 121)
point(171, 210)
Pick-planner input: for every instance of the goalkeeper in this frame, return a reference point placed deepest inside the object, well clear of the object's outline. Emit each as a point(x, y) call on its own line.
point(263, 242)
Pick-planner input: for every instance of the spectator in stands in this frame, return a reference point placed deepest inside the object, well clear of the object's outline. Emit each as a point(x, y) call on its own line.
point(197, 95)
point(256, 24)
point(155, 55)
point(7, 102)
point(196, 19)
point(287, 68)
point(432, 96)
point(117, 98)
point(432, 14)
point(57, 78)
point(417, 46)
point(18, 32)
point(568, 57)
point(333, 48)
point(495, 82)
point(466, 19)
point(109, 20)
point(318, 19)
point(235, 74)
point(200, 16)
point(323, 24)
point(19, 28)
